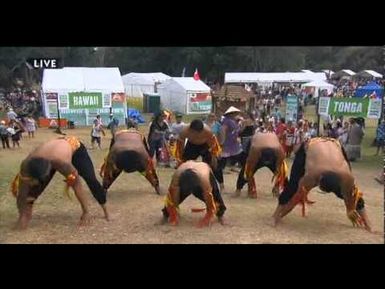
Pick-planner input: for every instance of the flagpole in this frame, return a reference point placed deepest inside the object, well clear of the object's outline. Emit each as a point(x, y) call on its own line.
point(58, 130)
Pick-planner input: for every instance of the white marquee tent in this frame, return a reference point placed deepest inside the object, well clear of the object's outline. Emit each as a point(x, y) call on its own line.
point(328, 72)
point(369, 74)
point(103, 84)
point(344, 73)
point(319, 85)
point(267, 78)
point(185, 95)
point(82, 79)
point(135, 84)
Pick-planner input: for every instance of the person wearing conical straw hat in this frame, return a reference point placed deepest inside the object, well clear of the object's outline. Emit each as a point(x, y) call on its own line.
point(231, 146)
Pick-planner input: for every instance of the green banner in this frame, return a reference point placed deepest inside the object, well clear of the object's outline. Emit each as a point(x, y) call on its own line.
point(203, 106)
point(355, 107)
point(85, 100)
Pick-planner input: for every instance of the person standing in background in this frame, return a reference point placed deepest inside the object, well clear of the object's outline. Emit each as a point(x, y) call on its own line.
point(380, 137)
point(177, 127)
point(355, 136)
point(247, 130)
point(231, 147)
point(157, 135)
point(97, 131)
point(280, 132)
point(4, 134)
point(214, 125)
point(11, 115)
point(289, 138)
point(15, 129)
point(113, 125)
point(31, 126)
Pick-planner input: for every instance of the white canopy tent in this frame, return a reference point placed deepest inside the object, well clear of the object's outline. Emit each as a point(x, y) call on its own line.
point(135, 84)
point(82, 79)
point(369, 74)
point(186, 95)
point(268, 78)
point(319, 85)
point(104, 83)
point(328, 72)
point(344, 73)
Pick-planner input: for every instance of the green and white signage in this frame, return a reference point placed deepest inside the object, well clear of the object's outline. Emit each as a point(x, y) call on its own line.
point(355, 107)
point(291, 108)
point(374, 108)
point(84, 100)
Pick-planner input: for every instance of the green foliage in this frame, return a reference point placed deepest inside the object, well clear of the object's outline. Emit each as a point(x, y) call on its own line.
point(212, 62)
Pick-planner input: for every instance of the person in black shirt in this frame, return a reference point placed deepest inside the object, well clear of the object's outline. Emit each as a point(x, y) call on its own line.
point(247, 130)
point(156, 135)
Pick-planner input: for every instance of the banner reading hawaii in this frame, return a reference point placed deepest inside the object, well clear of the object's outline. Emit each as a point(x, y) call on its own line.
point(354, 107)
point(85, 100)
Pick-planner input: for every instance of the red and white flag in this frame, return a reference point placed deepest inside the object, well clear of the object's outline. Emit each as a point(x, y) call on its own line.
point(196, 75)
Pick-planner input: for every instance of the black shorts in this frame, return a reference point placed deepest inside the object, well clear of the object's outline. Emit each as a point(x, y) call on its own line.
point(380, 142)
point(193, 151)
point(16, 137)
point(95, 138)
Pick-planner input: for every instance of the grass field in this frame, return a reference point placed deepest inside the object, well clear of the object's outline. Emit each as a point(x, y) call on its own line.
point(135, 208)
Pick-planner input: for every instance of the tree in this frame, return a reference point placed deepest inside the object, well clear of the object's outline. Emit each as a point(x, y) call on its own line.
point(212, 62)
